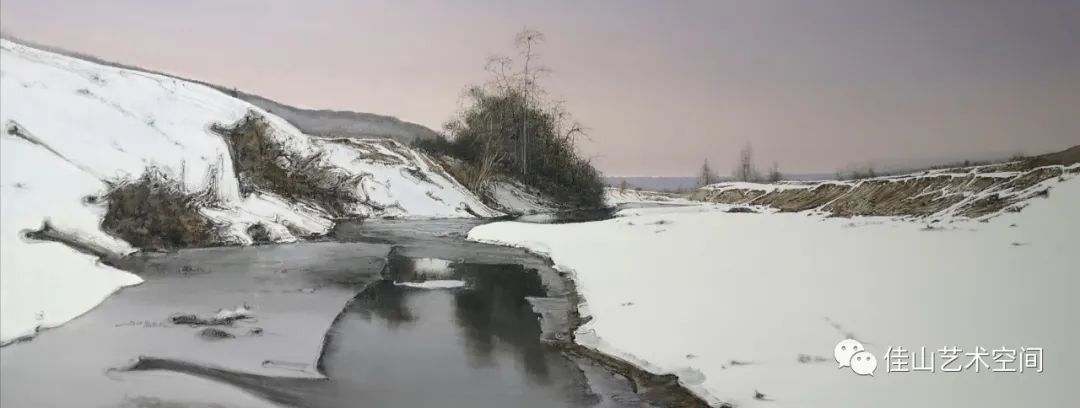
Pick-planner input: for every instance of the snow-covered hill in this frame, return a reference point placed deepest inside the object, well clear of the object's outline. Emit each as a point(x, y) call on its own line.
point(331, 123)
point(72, 127)
point(314, 122)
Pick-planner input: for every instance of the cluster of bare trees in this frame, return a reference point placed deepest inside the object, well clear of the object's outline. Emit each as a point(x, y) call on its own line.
point(745, 170)
point(707, 175)
point(496, 113)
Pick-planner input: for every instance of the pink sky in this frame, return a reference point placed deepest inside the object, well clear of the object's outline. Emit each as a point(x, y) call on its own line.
point(813, 85)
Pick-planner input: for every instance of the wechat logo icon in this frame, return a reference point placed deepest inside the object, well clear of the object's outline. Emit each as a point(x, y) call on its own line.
point(851, 353)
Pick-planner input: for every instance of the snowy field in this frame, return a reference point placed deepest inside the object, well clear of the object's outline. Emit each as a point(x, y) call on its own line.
point(742, 303)
point(70, 126)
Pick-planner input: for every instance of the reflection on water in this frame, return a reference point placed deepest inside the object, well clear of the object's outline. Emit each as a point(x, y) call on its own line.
point(476, 346)
point(382, 301)
point(398, 346)
point(495, 311)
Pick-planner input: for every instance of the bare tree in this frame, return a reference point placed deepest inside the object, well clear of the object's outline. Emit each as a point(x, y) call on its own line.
point(774, 173)
point(491, 154)
point(858, 174)
point(707, 175)
point(525, 41)
point(510, 125)
point(745, 170)
point(567, 129)
point(501, 70)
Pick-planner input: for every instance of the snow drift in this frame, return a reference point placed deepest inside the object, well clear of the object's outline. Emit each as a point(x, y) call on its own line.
point(72, 128)
point(514, 197)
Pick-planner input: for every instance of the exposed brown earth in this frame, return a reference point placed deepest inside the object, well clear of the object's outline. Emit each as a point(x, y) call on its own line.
point(155, 211)
point(974, 192)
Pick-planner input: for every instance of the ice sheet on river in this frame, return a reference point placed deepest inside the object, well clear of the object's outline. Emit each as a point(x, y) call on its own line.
point(293, 293)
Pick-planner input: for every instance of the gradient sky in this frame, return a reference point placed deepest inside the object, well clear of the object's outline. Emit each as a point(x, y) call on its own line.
point(814, 85)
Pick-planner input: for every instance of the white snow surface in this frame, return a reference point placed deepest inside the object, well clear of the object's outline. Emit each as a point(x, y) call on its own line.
point(83, 124)
point(44, 284)
point(731, 302)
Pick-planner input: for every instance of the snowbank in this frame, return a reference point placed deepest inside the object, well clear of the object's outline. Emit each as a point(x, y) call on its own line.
point(613, 196)
point(44, 284)
point(737, 304)
point(513, 197)
point(69, 126)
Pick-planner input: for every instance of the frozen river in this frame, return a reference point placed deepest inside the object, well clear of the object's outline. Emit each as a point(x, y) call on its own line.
point(384, 314)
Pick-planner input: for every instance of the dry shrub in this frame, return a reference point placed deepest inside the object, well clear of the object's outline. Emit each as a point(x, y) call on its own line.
point(262, 163)
point(155, 212)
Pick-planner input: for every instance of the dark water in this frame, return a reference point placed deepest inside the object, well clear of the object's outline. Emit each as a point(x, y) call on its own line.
point(476, 346)
point(473, 346)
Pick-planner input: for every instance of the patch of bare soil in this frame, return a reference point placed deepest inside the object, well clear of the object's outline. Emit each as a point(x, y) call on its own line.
point(802, 199)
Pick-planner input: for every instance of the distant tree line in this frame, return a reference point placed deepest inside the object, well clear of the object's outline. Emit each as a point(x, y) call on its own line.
point(745, 170)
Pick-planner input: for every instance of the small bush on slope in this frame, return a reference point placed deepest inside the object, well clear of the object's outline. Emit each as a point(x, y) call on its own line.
point(508, 127)
point(155, 212)
point(486, 139)
point(262, 163)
